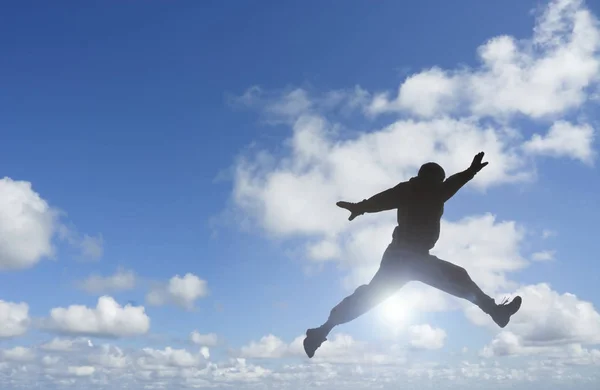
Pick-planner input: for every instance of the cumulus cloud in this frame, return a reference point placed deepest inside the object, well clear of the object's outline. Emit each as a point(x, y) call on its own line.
point(209, 339)
point(121, 280)
point(542, 357)
point(14, 318)
point(171, 357)
point(344, 349)
point(50, 360)
point(27, 225)
point(110, 357)
point(181, 291)
point(564, 140)
point(426, 337)
point(57, 344)
point(63, 345)
point(546, 319)
point(108, 318)
point(424, 94)
point(269, 346)
point(340, 348)
point(81, 370)
point(18, 354)
point(546, 75)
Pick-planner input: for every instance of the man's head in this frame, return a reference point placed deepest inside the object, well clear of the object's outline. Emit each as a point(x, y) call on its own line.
point(432, 172)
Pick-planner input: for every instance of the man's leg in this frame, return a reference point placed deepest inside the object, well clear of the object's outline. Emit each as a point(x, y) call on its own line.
point(456, 281)
point(386, 282)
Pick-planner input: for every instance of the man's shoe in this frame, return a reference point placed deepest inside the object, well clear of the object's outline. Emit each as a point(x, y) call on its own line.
point(314, 338)
point(501, 313)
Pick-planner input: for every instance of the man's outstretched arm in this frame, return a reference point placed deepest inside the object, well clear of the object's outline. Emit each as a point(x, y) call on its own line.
point(385, 200)
point(457, 181)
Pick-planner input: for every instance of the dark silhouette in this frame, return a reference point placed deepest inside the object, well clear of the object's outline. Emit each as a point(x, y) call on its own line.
point(420, 205)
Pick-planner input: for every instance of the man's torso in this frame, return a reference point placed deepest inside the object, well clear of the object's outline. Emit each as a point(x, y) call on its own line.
point(419, 216)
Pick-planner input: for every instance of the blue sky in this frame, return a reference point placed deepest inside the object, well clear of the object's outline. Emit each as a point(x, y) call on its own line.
point(142, 129)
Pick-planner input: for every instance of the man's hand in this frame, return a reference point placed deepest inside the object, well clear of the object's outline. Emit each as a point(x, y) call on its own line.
point(477, 165)
point(352, 207)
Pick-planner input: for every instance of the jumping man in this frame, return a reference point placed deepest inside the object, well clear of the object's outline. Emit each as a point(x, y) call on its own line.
point(420, 206)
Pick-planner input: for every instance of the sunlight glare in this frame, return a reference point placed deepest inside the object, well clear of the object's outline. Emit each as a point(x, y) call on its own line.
point(394, 312)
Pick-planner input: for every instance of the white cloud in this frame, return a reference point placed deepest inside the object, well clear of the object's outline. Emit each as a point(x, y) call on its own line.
point(209, 339)
point(546, 319)
point(110, 357)
point(170, 357)
point(108, 318)
point(92, 247)
point(564, 140)
point(50, 360)
point(298, 195)
point(57, 344)
point(548, 356)
point(546, 75)
point(426, 337)
point(14, 318)
point(326, 249)
point(340, 348)
point(27, 225)
point(550, 317)
point(205, 352)
point(63, 345)
point(122, 280)
point(268, 346)
point(425, 94)
point(81, 370)
point(543, 255)
point(182, 291)
point(18, 354)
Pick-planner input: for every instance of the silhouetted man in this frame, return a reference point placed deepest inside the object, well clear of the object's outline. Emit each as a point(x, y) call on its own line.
point(420, 204)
